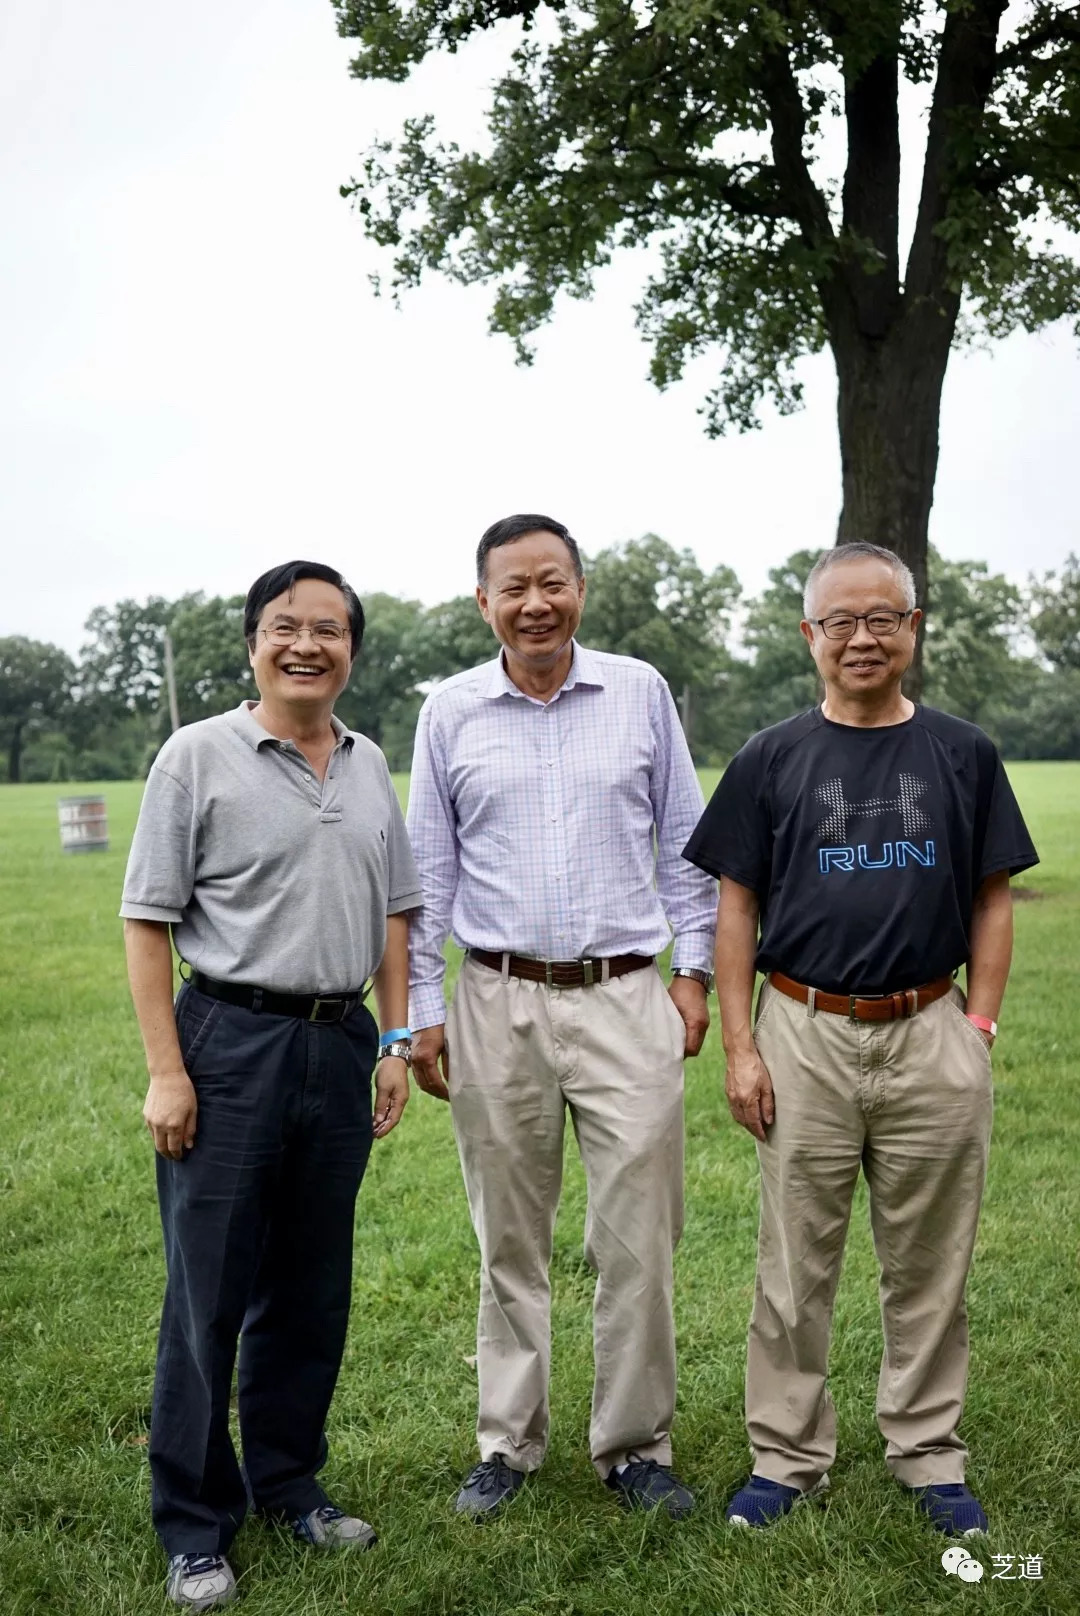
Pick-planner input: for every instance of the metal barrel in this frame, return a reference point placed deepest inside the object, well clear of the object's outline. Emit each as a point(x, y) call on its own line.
point(84, 827)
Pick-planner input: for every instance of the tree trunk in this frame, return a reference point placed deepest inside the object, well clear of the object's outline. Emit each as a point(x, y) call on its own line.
point(888, 405)
point(15, 753)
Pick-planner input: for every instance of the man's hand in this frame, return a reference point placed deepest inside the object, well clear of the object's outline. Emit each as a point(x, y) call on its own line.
point(429, 1054)
point(391, 1094)
point(170, 1111)
point(692, 1003)
point(750, 1092)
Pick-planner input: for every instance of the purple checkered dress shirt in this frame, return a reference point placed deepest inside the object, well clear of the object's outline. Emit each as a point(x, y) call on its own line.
point(554, 830)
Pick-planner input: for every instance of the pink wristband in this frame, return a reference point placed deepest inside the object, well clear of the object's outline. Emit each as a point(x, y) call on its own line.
point(984, 1024)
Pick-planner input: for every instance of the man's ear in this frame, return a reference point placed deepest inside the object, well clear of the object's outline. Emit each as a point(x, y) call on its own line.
point(807, 631)
point(482, 603)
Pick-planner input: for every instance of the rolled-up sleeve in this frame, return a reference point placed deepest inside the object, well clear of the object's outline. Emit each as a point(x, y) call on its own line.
point(688, 895)
point(433, 834)
point(160, 876)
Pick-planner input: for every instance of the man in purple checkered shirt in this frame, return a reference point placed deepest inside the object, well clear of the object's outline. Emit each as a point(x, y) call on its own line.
point(552, 793)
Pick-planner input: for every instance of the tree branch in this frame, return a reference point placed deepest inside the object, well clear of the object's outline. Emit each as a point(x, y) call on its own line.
point(788, 119)
point(965, 75)
point(1062, 30)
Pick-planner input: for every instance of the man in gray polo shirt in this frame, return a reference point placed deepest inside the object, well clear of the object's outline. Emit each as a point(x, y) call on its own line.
point(271, 842)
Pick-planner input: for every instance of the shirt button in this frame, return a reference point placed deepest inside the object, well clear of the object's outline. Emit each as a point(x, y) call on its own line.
point(309, 778)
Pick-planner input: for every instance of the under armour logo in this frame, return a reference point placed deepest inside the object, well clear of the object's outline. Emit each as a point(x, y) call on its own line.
point(839, 811)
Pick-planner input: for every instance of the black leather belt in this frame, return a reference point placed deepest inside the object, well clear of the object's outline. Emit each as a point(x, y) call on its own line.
point(321, 1008)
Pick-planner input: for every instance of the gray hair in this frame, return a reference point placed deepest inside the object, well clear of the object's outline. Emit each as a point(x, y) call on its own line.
point(860, 550)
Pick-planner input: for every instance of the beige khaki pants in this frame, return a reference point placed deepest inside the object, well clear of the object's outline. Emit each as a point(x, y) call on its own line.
point(910, 1103)
point(521, 1056)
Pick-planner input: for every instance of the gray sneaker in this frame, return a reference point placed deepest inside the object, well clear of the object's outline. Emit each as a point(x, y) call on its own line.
point(200, 1581)
point(330, 1528)
point(487, 1487)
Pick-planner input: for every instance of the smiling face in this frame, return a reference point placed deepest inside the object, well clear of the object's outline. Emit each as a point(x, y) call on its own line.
point(312, 672)
point(864, 664)
point(532, 599)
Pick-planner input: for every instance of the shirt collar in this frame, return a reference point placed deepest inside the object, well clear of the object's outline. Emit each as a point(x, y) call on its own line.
point(584, 670)
point(250, 730)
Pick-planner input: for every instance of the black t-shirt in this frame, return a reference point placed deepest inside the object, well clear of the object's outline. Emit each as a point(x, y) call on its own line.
point(865, 846)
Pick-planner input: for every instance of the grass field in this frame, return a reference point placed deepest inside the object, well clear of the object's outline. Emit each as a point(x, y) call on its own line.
point(81, 1276)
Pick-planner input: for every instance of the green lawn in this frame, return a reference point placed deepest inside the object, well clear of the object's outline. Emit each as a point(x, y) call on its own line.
point(81, 1279)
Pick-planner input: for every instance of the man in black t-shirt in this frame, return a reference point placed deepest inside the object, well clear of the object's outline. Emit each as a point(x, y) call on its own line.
point(864, 851)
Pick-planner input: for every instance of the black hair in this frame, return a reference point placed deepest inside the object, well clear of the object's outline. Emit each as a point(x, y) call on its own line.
point(515, 527)
point(282, 580)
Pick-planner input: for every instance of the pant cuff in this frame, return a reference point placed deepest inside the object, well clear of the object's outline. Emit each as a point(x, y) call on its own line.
point(927, 1472)
point(605, 1463)
point(525, 1459)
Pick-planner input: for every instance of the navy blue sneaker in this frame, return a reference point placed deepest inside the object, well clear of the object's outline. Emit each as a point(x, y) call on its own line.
point(487, 1487)
point(952, 1508)
point(647, 1484)
point(760, 1501)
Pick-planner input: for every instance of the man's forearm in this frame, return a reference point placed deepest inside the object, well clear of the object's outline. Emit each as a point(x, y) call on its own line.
point(392, 977)
point(736, 947)
point(150, 973)
point(991, 947)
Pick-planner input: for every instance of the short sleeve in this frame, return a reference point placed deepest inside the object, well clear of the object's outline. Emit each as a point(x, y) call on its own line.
point(403, 879)
point(1002, 841)
point(160, 876)
point(734, 835)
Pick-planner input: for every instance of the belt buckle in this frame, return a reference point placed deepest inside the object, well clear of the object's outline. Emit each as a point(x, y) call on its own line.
point(331, 999)
point(587, 973)
point(547, 973)
point(851, 1007)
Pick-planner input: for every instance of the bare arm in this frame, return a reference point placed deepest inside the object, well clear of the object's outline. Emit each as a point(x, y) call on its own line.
point(991, 947)
point(392, 997)
point(749, 1088)
point(171, 1107)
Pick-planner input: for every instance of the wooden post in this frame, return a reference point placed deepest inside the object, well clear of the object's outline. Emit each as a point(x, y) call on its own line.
point(170, 683)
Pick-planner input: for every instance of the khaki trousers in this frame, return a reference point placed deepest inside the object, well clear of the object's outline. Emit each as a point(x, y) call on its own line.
point(521, 1056)
point(910, 1103)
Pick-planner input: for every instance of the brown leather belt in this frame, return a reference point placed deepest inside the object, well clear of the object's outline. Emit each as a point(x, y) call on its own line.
point(582, 973)
point(883, 1007)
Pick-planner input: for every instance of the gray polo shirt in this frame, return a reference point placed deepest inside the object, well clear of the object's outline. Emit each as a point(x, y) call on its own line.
point(266, 875)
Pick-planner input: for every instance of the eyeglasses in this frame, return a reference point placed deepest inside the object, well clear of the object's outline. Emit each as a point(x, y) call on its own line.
point(289, 633)
point(842, 625)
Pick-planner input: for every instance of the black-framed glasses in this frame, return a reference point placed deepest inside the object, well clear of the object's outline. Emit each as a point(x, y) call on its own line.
point(842, 625)
point(289, 633)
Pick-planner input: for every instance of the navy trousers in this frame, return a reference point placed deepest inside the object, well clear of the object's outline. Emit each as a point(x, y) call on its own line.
point(258, 1226)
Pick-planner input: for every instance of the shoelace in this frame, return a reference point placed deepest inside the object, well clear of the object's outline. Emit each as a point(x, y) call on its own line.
point(202, 1565)
point(489, 1474)
point(639, 1470)
point(330, 1513)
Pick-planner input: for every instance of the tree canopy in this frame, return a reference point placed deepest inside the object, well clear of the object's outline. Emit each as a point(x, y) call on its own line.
point(758, 148)
point(35, 688)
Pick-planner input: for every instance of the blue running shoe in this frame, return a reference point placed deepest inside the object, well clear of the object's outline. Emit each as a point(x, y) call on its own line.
point(953, 1509)
point(761, 1502)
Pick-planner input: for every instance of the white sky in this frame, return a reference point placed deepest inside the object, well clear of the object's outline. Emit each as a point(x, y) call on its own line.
point(197, 382)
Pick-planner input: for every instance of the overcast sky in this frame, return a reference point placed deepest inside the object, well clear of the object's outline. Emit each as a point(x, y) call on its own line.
point(198, 383)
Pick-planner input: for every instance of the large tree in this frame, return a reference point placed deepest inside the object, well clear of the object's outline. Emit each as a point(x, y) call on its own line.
point(712, 128)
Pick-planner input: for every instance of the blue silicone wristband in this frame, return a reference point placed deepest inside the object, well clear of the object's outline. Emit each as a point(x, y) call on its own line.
point(393, 1035)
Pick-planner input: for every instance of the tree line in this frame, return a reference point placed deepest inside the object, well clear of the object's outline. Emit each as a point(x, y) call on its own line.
point(1005, 657)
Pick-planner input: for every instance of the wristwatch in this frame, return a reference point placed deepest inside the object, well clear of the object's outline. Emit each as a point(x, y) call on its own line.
point(400, 1047)
point(704, 977)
